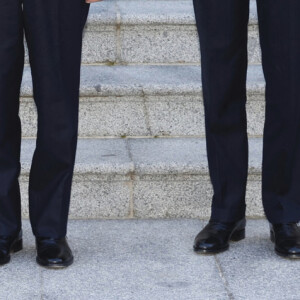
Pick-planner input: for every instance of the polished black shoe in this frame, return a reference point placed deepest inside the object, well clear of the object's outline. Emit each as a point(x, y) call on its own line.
point(8, 245)
point(215, 236)
point(286, 237)
point(53, 253)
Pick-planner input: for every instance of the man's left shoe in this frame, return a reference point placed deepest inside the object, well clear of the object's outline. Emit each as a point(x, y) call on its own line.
point(53, 253)
point(286, 237)
point(215, 236)
point(8, 245)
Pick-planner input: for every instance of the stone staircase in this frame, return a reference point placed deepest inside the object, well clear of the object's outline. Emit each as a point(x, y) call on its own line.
point(141, 150)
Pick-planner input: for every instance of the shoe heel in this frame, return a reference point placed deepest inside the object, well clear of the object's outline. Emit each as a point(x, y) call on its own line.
point(17, 246)
point(238, 235)
point(272, 237)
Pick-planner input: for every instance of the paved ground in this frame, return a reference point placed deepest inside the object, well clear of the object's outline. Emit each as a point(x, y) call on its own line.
point(153, 259)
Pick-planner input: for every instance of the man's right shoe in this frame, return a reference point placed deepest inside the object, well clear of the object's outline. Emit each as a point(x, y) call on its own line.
point(53, 253)
point(8, 245)
point(286, 237)
point(215, 236)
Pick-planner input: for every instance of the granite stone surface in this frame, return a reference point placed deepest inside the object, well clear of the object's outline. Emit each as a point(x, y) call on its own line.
point(145, 101)
point(144, 178)
point(152, 259)
point(148, 32)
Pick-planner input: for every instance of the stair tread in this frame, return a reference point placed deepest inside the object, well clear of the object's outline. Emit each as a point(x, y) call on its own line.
point(143, 156)
point(100, 80)
point(151, 11)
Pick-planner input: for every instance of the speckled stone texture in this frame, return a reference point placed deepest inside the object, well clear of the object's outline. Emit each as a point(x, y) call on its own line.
point(144, 178)
point(152, 259)
point(145, 101)
point(102, 181)
point(151, 31)
point(141, 79)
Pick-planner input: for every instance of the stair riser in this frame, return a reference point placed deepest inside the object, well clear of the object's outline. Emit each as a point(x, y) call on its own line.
point(150, 32)
point(183, 196)
point(152, 44)
point(143, 116)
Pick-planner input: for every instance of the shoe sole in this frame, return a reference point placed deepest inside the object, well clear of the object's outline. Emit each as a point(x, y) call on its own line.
point(281, 254)
point(210, 252)
point(15, 247)
point(236, 236)
point(54, 266)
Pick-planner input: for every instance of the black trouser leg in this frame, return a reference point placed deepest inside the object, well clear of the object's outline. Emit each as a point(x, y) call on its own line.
point(11, 70)
point(54, 35)
point(222, 27)
point(279, 28)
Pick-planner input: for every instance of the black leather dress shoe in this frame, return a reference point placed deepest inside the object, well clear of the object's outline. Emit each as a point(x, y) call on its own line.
point(215, 236)
point(8, 245)
point(53, 253)
point(286, 237)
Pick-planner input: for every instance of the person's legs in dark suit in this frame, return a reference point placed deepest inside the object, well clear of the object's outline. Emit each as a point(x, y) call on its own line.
point(279, 28)
point(54, 36)
point(53, 32)
point(11, 70)
point(222, 27)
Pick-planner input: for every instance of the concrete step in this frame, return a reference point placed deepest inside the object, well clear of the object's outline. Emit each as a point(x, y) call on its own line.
point(152, 259)
point(148, 32)
point(145, 178)
point(145, 101)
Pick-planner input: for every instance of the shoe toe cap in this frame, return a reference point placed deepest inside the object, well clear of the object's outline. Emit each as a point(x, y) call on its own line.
point(289, 248)
point(206, 244)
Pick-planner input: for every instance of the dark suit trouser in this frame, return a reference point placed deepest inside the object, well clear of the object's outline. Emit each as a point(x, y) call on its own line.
point(222, 27)
point(53, 30)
